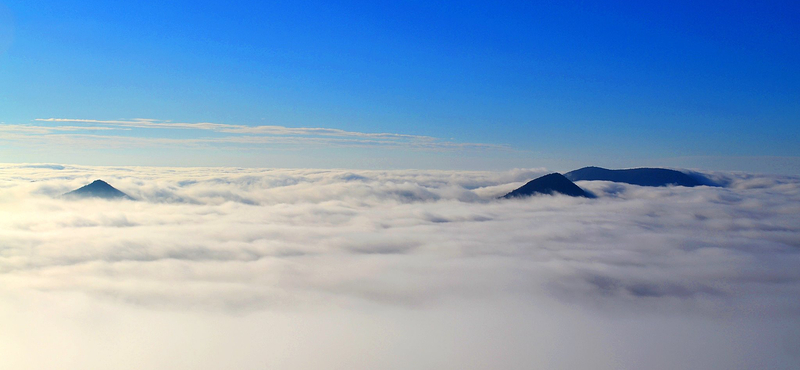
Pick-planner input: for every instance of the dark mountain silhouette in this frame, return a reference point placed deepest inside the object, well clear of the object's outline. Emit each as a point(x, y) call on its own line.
point(635, 176)
point(554, 183)
point(98, 189)
point(706, 180)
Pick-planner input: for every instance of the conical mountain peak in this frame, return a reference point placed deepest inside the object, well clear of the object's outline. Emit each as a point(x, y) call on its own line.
point(98, 189)
point(554, 183)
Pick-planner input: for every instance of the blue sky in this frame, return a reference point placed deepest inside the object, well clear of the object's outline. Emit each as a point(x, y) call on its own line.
point(461, 85)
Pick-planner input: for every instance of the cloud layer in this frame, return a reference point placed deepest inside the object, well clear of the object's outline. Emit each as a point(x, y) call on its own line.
point(428, 262)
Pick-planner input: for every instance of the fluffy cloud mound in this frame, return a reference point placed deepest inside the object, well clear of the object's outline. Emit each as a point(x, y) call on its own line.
point(416, 247)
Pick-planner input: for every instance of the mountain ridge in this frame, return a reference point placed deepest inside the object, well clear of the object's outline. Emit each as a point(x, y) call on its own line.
point(644, 176)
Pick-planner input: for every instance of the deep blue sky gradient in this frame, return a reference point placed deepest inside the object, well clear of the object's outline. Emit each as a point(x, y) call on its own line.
point(607, 82)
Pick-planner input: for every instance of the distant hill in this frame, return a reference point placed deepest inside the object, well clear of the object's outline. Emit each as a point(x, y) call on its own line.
point(554, 183)
point(635, 176)
point(98, 189)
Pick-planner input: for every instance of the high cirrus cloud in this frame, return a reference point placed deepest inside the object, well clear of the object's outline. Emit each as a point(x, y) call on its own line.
point(424, 264)
point(151, 132)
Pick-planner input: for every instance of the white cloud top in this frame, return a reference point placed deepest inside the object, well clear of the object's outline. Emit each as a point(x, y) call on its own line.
point(295, 269)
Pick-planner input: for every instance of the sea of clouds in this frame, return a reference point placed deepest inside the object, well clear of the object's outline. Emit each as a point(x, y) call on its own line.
point(216, 268)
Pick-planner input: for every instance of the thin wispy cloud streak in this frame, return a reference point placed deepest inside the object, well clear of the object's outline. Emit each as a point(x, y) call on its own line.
point(30, 129)
point(424, 262)
point(46, 136)
point(223, 134)
point(270, 130)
